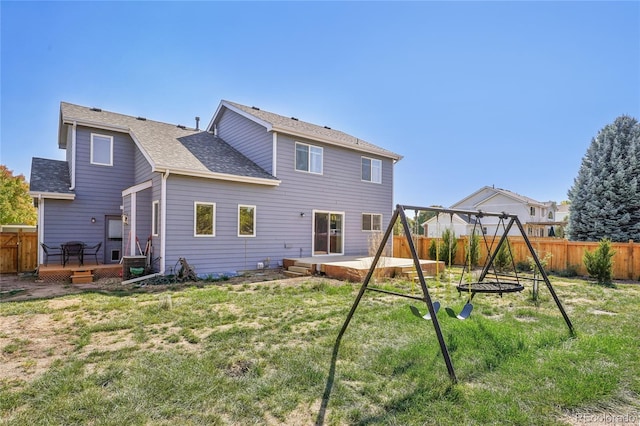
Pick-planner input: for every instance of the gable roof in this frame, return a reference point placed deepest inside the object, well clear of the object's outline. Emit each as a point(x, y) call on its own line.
point(168, 147)
point(493, 192)
point(294, 127)
point(50, 177)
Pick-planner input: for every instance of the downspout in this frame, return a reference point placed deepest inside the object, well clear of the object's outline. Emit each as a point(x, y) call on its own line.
point(133, 199)
point(40, 227)
point(163, 221)
point(274, 165)
point(73, 156)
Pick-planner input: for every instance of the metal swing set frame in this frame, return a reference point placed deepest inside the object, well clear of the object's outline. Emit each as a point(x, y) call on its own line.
point(471, 288)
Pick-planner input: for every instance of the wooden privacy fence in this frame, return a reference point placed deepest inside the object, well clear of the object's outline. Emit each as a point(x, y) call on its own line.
point(18, 252)
point(565, 255)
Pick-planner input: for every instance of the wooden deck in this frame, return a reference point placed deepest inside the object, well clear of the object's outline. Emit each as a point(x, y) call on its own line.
point(355, 268)
point(88, 272)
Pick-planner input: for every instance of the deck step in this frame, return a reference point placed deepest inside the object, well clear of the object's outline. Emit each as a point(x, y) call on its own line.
point(304, 265)
point(299, 269)
point(82, 276)
point(292, 274)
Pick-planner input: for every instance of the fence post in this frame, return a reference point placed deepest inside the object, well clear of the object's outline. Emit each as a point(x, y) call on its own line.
point(630, 260)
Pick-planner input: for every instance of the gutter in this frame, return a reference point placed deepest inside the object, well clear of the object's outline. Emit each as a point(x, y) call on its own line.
point(52, 195)
point(219, 176)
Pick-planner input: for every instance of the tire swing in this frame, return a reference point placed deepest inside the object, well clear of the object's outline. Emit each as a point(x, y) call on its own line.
point(497, 284)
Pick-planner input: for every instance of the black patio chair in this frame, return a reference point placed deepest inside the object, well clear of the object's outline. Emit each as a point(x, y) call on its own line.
point(51, 252)
point(75, 249)
point(92, 251)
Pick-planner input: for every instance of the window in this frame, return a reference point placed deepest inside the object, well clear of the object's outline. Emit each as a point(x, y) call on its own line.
point(114, 229)
point(308, 158)
point(550, 215)
point(371, 170)
point(371, 222)
point(204, 219)
point(532, 211)
point(101, 150)
point(155, 218)
point(246, 221)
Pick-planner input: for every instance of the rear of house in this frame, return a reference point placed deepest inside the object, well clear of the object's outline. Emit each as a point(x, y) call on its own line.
point(253, 188)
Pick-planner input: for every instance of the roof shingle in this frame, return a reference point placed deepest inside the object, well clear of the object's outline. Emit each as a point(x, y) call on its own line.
point(49, 176)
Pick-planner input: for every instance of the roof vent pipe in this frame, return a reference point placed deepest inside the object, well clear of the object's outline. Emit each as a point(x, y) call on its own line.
point(197, 123)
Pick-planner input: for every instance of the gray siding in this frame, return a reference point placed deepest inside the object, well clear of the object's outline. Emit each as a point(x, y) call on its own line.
point(281, 232)
point(251, 139)
point(98, 192)
point(339, 188)
point(142, 168)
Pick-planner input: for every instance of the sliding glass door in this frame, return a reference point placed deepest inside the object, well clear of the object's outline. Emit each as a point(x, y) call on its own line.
point(328, 231)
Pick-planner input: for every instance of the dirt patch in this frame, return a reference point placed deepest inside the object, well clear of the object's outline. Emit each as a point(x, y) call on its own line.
point(14, 288)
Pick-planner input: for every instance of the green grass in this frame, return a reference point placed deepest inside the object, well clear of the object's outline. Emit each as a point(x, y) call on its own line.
point(262, 354)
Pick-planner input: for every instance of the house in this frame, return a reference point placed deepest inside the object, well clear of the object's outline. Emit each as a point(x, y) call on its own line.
point(537, 218)
point(251, 189)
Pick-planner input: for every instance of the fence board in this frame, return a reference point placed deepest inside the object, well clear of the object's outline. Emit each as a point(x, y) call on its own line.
point(564, 254)
point(18, 252)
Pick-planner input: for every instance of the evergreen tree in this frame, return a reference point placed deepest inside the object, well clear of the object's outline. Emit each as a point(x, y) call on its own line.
point(605, 197)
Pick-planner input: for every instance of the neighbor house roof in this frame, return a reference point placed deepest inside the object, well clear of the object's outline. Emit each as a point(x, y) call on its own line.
point(492, 192)
point(170, 147)
point(50, 177)
point(295, 127)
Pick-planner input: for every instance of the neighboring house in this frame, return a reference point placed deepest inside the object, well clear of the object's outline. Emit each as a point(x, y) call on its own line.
point(537, 218)
point(251, 189)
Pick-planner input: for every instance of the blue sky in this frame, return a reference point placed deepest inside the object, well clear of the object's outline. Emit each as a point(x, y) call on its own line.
point(470, 93)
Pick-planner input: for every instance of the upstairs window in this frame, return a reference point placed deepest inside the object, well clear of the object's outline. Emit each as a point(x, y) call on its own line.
point(101, 150)
point(246, 221)
point(204, 219)
point(532, 211)
point(371, 170)
point(550, 215)
point(308, 158)
point(371, 222)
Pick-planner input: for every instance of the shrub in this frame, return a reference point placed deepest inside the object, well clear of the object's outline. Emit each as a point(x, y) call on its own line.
point(503, 260)
point(472, 249)
point(599, 263)
point(570, 272)
point(449, 246)
point(433, 250)
point(523, 266)
point(448, 239)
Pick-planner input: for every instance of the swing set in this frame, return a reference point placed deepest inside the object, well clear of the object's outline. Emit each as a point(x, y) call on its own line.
point(492, 279)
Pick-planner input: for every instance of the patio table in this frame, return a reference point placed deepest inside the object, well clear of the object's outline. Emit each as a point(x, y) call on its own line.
point(72, 248)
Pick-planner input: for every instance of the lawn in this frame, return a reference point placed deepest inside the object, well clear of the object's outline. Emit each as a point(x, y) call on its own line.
point(263, 353)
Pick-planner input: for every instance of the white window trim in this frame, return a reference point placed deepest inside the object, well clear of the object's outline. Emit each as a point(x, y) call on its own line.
point(110, 150)
point(255, 214)
point(371, 230)
point(195, 222)
point(371, 170)
point(155, 227)
point(295, 158)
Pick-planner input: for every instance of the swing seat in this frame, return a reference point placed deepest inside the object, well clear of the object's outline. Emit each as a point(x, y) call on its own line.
point(464, 313)
point(490, 287)
point(416, 312)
